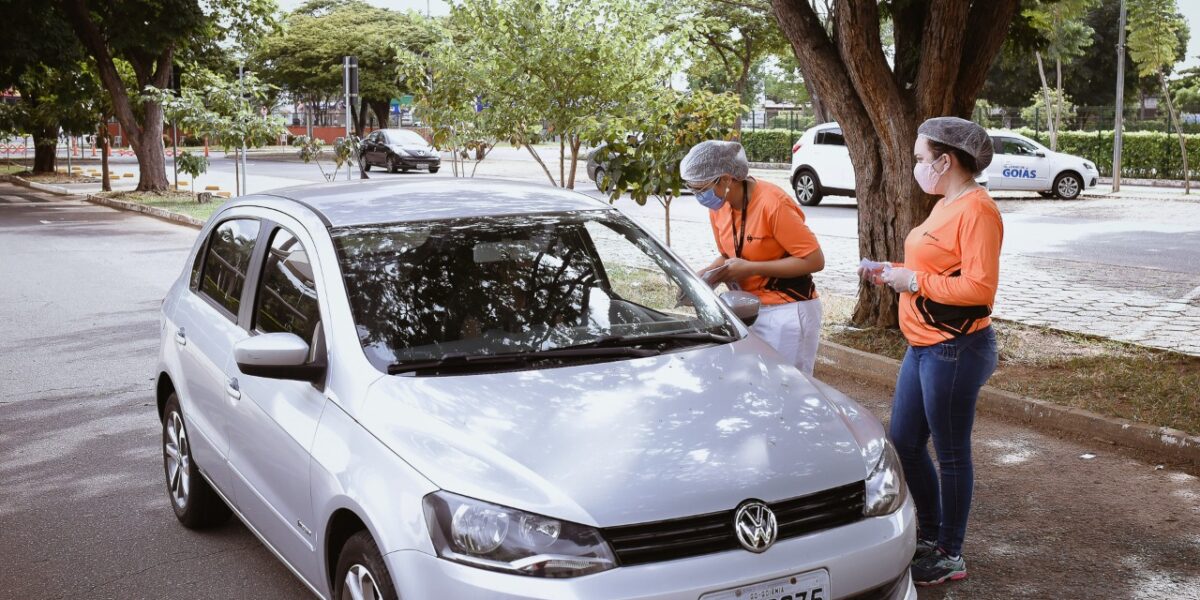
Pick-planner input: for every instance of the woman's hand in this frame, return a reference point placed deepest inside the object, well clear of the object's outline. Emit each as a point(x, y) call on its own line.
point(871, 271)
point(720, 260)
point(737, 269)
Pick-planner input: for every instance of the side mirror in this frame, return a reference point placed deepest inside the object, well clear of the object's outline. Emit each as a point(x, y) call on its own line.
point(1040, 154)
point(276, 356)
point(744, 304)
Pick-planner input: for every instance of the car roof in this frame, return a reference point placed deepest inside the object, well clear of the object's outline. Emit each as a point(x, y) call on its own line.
point(395, 200)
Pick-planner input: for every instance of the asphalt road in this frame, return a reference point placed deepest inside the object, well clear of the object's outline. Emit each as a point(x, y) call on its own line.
point(83, 506)
point(83, 511)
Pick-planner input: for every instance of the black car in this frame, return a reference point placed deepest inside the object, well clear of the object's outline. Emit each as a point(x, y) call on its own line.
point(398, 150)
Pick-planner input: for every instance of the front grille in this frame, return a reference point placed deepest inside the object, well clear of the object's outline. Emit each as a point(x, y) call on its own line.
point(659, 541)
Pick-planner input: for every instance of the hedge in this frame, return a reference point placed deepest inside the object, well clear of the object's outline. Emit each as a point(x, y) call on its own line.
point(769, 145)
point(1146, 154)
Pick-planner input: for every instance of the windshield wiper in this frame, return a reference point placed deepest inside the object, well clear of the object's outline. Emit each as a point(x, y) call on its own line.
point(626, 341)
point(465, 361)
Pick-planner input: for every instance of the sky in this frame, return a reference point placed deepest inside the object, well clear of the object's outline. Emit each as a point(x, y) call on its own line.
point(1191, 12)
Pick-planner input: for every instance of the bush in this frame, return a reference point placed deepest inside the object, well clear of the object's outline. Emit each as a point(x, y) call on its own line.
point(769, 145)
point(795, 121)
point(1145, 154)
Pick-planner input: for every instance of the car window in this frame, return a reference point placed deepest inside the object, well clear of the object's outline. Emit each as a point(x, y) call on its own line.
point(1018, 147)
point(404, 136)
point(226, 262)
point(527, 283)
point(287, 293)
point(831, 137)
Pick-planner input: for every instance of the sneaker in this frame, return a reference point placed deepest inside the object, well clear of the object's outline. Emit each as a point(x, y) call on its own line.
point(938, 567)
point(924, 548)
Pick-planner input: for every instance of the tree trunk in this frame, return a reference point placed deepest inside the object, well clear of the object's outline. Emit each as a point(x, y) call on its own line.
point(381, 109)
point(575, 141)
point(562, 159)
point(1187, 179)
point(144, 137)
point(943, 53)
point(542, 164)
point(45, 150)
point(666, 202)
point(102, 139)
point(818, 108)
point(1049, 104)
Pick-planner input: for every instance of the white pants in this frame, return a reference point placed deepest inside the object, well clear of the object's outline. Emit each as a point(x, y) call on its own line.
point(793, 330)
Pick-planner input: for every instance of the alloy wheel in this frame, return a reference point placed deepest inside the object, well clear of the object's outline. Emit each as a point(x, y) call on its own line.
point(1068, 187)
point(359, 585)
point(179, 460)
point(805, 186)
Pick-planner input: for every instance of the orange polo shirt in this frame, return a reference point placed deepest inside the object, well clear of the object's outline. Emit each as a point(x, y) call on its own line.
point(775, 229)
point(956, 256)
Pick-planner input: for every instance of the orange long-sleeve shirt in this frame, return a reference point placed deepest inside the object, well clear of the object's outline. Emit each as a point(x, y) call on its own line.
point(956, 256)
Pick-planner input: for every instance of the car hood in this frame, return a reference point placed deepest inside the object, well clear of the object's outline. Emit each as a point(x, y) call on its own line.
point(612, 443)
point(417, 149)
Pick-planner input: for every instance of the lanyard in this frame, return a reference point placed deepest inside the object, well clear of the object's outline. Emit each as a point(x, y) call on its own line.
point(740, 240)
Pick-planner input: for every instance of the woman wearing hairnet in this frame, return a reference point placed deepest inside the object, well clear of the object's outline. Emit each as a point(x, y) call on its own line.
point(765, 247)
point(947, 284)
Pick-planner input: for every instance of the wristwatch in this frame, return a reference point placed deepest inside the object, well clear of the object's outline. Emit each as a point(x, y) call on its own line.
point(912, 284)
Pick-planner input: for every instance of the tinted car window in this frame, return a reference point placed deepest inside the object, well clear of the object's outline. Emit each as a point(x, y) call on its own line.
point(226, 262)
point(1018, 147)
point(287, 294)
point(831, 137)
point(406, 137)
point(528, 283)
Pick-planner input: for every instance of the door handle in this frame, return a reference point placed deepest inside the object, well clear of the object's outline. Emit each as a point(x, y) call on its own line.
point(232, 389)
point(180, 337)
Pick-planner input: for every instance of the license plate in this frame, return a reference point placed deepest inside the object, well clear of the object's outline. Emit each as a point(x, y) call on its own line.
point(813, 585)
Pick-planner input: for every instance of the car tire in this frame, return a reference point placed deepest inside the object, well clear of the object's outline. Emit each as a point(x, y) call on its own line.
point(1068, 186)
point(598, 178)
point(807, 187)
point(361, 572)
point(433, 170)
point(392, 166)
point(196, 504)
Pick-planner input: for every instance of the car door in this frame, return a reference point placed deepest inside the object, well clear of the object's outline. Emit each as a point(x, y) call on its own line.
point(205, 321)
point(371, 149)
point(275, 420)
point(1018, 166)
point(837, 170)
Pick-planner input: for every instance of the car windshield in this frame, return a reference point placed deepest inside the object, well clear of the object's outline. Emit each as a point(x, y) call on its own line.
point(405, 137)
point(524, 284)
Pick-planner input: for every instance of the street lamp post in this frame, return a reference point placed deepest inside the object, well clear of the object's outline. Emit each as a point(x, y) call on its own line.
point(1119, 124)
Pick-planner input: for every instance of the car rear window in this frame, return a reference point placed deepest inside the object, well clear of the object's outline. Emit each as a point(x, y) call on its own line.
point(831, 137)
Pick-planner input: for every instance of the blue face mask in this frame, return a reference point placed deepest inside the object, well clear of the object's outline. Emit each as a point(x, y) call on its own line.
point(709, 199)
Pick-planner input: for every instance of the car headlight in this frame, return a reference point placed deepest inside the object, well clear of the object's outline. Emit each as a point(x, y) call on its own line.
point(490, 536)
point(1089, 166)
point(886, 490)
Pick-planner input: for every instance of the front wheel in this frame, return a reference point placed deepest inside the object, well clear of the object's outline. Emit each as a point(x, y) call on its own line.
point(808, 188)
point(361, 572)
point(1068, 186)
point(196, 504)
point(433, 170)
point(393, 166)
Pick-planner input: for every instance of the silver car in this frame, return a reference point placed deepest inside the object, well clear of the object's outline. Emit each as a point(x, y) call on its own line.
point(482, 389)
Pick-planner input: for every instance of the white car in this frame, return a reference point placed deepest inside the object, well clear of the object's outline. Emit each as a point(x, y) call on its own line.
point(1023, 164)
point(821, 167)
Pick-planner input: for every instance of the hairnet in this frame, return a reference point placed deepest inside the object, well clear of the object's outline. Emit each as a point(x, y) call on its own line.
point(711, 159)
point(962, 134)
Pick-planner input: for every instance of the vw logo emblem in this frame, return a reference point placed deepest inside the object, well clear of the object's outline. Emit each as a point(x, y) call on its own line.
point(755, 526)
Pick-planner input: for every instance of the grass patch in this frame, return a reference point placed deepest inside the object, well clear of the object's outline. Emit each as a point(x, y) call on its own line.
point(1104, 376)
point(177, 202)
point(11, 169)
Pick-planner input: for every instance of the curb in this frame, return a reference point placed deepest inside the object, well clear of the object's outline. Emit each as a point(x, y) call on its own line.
point(770, 165)
point(42, 187)
point(1169, 444)
point(153, 211)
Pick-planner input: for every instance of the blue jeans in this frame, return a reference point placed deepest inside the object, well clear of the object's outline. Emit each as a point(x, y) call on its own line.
point(935, 394)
